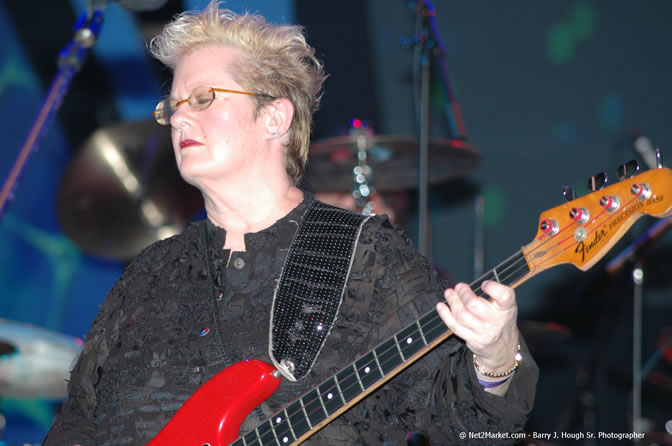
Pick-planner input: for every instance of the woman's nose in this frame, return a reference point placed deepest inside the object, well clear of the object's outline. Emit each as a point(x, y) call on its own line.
point(181, 117)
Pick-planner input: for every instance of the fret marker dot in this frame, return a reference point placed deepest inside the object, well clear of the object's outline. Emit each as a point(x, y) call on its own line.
point(409, 340)
point(330, 395)
point(367, 369)
point(285, 439)
point(278, 420)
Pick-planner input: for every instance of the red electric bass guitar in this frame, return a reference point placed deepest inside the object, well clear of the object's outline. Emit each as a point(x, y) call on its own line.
point(579, 232)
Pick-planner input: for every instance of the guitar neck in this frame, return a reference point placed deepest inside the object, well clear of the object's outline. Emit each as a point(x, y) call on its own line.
point(511, 272)
point(315, 409)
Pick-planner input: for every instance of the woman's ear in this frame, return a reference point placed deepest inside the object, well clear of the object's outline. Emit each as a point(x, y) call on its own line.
point(278, 117)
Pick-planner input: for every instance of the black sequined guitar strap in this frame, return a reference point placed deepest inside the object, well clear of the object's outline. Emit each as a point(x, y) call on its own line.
point(311, 287)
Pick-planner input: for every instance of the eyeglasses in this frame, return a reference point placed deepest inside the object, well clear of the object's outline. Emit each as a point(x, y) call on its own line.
point(199, 99)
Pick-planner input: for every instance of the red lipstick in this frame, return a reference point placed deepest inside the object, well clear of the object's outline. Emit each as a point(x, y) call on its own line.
point(189, 143)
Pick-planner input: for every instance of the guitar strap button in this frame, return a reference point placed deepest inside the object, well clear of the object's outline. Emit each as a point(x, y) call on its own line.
point(288, 365)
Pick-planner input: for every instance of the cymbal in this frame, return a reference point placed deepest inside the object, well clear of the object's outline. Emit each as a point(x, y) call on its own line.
point(123, 191)
point(35, 362)
point(393, 159)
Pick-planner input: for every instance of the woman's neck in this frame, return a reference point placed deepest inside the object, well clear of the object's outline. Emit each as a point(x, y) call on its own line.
point(244, 213)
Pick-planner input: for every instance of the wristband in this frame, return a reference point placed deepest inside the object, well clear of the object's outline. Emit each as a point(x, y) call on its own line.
point(490, 384)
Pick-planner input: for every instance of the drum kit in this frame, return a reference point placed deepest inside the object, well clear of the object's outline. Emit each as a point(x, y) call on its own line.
point(123, 190)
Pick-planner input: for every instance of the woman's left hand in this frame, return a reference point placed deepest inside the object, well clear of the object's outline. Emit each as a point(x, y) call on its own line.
point(487, 326)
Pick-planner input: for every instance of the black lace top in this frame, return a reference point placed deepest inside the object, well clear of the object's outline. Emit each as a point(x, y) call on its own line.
point(161, 333)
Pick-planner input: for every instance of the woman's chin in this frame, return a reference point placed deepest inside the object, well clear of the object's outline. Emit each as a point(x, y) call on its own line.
point(201, 176)
point(192, 174)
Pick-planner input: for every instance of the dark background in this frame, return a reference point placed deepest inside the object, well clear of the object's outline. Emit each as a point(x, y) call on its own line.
point(551, 93)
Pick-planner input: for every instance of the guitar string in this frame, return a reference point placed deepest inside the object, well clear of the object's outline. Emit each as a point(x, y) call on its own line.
point(433, 316)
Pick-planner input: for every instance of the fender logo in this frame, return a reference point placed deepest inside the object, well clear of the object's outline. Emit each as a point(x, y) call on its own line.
point(585, 249)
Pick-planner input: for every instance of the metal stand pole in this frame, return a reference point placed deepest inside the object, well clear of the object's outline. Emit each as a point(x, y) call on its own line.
point(423, 162)
point(70, 61)
point(431, 45)
point(479, 238)
point(638, 280)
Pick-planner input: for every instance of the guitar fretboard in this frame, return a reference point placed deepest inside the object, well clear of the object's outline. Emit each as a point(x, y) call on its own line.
point(368, 372)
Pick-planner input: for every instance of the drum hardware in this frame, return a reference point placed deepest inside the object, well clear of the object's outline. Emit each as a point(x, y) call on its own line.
point(392, 160)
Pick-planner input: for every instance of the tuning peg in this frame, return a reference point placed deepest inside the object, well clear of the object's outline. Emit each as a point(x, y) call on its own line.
point(597, 182)
point(627, 170)
point(568, 193)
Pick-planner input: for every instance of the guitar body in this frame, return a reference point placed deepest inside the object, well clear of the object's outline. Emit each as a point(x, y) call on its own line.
point(214, 413)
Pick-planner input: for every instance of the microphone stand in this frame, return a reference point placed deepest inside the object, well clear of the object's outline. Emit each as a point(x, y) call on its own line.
point(70, 60)
point(638, 281)
point(429, 42)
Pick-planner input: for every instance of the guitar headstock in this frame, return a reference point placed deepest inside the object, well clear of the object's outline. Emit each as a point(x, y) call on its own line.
point(583, 230)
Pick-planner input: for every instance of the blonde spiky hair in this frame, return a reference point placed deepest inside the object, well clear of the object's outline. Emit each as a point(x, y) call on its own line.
point(277, 61)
